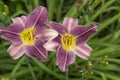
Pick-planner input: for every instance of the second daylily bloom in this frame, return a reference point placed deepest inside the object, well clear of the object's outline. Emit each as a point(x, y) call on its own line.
point(26, 35)
point(71, 41)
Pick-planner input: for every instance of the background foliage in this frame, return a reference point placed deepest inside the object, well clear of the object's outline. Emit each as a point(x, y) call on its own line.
point(103, 64)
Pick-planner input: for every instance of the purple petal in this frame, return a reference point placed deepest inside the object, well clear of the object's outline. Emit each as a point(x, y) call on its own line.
point(37, 50)
point(20, 20)
point(64, 59)
point(57, 39)
point(58, 27)
point(83, 51)
point(16, 51)
point(83, 33)
point(49, 34)
point(12, 33)
point(38, 19)
point(70, 23)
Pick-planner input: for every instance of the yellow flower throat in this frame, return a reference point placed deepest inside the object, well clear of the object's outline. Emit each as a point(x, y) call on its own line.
point(68, 41)
point(27, 36)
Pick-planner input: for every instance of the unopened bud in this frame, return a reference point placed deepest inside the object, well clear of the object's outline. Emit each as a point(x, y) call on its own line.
point(5, 10)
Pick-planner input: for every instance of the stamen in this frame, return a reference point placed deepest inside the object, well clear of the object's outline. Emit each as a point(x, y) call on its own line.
point(27, 36)
point(68, 41)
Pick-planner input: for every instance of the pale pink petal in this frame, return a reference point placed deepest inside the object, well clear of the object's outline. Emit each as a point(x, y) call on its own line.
point(20, 20)
point(1, 29)
point(70, 23)
point(16, 51)
point(51, 45)
point(64, 59)
point(83, 51)
point(49, 34)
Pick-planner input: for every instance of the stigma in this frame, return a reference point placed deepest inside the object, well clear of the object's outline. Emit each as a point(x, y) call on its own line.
point(68, 41)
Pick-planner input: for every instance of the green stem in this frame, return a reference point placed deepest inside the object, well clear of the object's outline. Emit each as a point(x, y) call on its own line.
point(66, 75)
point(30, 68)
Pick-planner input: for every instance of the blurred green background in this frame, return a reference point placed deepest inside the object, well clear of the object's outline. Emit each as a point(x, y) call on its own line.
point(104, 62)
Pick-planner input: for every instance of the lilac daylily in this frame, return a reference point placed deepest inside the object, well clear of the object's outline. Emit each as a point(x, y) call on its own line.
point(71, 41)
point(26, 35)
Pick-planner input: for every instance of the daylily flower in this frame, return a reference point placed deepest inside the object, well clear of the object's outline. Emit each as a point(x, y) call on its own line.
point(26, 35)
point(71, 41)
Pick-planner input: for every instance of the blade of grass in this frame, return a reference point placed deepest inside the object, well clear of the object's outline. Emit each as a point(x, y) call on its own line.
point(51, 7)
point(102, 8)
point(103, 52)
point(112, 76)
point(47, 69)
point(59, 10)
point(100, 73)
point(23, 72)
point(72, 12)
point(36, 3)
point(106, 23)
point(30, 68)
point(17, 67)
point(114, 60)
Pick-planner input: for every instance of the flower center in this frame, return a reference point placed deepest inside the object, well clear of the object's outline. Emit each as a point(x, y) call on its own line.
point(27, 36)
point(68, 41)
